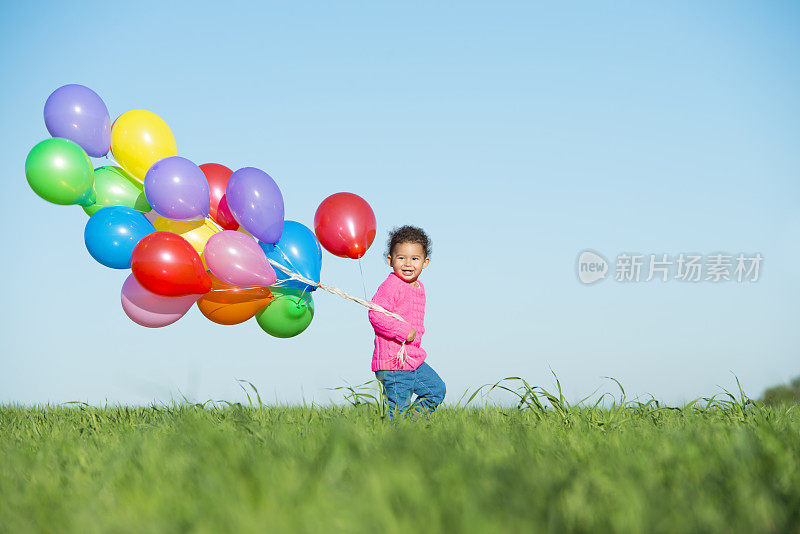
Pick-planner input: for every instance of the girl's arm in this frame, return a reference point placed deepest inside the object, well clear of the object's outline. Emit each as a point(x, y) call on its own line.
point(383, 324)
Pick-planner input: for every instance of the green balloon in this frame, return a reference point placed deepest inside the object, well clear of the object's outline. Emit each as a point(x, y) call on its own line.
point(288, 314)
point(113, 186)
point(60, 172)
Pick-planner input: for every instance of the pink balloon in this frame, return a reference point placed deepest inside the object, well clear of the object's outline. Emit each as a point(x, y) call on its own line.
point(151, 310)
point(236, 259)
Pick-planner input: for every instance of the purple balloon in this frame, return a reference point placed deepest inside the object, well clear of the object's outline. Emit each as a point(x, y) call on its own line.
point(177, 189)
point(256, 203)
point(77, 113)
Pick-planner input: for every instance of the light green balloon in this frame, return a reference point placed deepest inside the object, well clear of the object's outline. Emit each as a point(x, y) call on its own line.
point(60, 172)
point(288, 314)
point(113, 186)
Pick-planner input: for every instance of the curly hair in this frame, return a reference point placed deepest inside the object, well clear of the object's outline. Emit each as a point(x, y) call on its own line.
point(408, 234)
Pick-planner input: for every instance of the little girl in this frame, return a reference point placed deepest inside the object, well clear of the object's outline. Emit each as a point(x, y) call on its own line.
point(398, 359)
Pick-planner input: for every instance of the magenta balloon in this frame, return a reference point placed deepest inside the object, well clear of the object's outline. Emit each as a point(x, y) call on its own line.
point(256, 203)
point(177, 189)
point(77, 113)
point(151, 310)
point(236, 259)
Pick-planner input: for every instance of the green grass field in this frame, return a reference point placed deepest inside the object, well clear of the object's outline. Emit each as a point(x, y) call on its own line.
point(724, 464)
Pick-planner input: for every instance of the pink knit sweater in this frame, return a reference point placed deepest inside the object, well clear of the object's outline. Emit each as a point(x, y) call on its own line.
point(400, 297)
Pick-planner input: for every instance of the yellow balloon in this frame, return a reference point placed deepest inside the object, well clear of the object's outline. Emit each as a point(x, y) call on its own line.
point(139, 138)
point(196, 233)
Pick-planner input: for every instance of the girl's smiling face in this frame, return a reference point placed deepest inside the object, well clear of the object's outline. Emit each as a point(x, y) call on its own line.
point(408, 259)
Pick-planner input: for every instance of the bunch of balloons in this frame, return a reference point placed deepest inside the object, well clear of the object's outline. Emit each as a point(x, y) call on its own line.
point(190, 234)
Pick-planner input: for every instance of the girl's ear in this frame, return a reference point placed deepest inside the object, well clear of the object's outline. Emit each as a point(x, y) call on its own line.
point(426, 262)
point(389, 260)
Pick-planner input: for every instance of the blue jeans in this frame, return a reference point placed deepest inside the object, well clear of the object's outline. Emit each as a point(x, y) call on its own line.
point(400, 385)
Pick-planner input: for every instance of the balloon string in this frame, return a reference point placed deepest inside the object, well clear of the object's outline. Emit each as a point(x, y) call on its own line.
point(303, 294)
point(363, 283)
point(401, 354)
point(285, 257)
point(334, 291)
point(212, 222)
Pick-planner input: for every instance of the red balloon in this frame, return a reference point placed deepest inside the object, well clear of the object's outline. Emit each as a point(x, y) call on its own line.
point(166, 264)
point(217, 176)
point(345, 225)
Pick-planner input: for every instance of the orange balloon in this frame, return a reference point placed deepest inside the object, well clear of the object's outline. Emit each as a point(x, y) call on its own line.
point(227, 304)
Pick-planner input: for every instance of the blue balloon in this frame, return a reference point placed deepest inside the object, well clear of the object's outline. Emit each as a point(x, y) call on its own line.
point(299, 251)
point(112, 232)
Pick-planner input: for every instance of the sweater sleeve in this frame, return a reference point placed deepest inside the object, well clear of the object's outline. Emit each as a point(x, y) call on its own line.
point(384, 325)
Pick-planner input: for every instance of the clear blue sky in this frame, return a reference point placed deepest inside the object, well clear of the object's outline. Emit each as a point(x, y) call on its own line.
point(516, 134)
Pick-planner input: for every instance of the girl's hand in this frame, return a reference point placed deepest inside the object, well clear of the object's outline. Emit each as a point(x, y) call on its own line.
point(411, 335)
